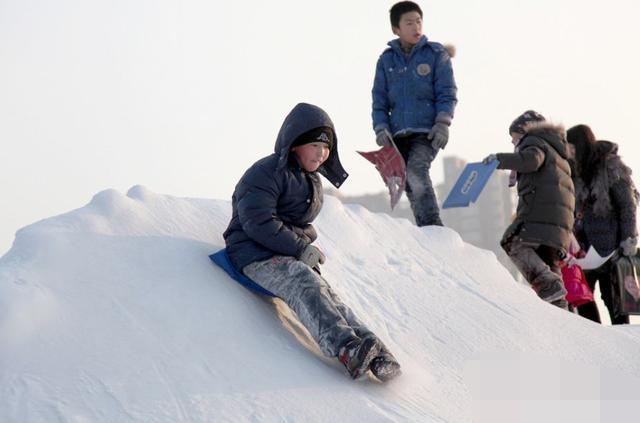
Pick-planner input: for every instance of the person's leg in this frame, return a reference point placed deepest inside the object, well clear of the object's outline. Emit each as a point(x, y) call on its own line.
point(384, 366)
point(307, 295)
point(609, 295)
point(590, 309)
point(350, 317)
point(547, 284)
point(345, 311)
point(551, 257)
point(419, 188)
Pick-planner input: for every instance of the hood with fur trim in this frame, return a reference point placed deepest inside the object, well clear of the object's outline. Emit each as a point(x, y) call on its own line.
point(554, 134)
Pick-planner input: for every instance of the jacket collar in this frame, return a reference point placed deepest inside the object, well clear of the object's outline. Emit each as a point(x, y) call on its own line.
point(395, 45)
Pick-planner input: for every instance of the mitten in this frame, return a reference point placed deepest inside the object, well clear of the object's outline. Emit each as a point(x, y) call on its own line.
point(629, 246)
point(439, 134)
point(311, 256)
point(383, 137)
point(490, 158)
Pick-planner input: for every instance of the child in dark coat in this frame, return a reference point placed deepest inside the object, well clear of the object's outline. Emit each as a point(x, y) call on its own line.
point(539, 237)
point(270, 239)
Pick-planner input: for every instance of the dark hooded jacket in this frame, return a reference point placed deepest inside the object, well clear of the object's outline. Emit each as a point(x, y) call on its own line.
point(606, 208)
point(546, 196)
point(276, 200)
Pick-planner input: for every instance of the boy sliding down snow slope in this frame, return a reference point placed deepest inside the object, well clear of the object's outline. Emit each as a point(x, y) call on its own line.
point(270, 239)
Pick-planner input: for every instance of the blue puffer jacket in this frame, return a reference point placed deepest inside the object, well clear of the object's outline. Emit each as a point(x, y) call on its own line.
point(410, 90)
point(275, 201)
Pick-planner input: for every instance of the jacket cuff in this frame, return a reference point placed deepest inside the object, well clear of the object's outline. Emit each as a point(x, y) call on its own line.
point(501, 160)
point(381, 127)
point(444, 118)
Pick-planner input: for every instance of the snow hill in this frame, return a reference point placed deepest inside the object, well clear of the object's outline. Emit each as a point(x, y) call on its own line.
point(114, 313)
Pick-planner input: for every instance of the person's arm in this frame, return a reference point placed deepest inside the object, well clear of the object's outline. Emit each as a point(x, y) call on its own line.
point(444, 85)
point(380, 105)
point(306, 232)
point(528, 159)
point(257, 212)
point(623, 199)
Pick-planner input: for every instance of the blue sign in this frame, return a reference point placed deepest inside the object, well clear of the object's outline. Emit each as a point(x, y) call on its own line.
point(470, 184)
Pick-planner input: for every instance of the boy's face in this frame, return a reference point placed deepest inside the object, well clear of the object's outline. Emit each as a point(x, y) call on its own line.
point(312, 155)
point(409, 29)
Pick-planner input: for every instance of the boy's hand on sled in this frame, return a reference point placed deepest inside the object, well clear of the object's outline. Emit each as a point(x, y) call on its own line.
point(383, 137)
point(312, 256)
point(490, 158)
point(629, 246)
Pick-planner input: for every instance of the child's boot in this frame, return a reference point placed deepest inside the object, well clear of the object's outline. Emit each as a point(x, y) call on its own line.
point(357, 354)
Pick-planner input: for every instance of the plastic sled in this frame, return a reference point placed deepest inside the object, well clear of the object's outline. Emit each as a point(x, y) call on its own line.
point(222, 259)
point(391, 167)
point(578, 291)
point(469, 185)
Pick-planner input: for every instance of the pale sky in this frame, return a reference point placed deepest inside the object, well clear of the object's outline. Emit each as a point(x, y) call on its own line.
point(183, 96)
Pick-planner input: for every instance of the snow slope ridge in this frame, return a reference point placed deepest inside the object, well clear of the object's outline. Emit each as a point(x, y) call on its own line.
point(114, 313)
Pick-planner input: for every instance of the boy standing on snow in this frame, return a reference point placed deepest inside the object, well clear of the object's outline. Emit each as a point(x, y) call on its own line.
point(270, 239)
point(541, 234)
point(414, 96)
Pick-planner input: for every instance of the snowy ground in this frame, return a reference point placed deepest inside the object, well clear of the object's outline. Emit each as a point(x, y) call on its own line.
point(114, 313)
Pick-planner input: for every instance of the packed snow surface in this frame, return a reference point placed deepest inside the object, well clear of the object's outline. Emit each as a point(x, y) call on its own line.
point(114, 313)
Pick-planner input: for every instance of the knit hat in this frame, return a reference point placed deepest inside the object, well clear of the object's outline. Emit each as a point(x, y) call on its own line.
point(519, 124)
point(321, 134)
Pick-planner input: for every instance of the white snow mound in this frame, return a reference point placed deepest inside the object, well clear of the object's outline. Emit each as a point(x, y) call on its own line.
point(114, 313)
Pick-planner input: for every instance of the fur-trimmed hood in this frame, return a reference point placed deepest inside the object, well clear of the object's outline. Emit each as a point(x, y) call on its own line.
point(609, 170)
point(554, 134)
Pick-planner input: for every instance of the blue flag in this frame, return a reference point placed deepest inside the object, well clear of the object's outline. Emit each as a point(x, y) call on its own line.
point(470, 184)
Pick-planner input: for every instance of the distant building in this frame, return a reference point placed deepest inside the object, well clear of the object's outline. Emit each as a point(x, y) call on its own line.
point(377, 203)
point(481, 224)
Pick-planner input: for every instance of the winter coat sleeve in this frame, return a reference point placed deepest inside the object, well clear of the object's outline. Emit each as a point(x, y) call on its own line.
point(445, 85)
point(257, 212)
point(623, 199)
point(528, 159)
point(379, 93)
point(306, 232)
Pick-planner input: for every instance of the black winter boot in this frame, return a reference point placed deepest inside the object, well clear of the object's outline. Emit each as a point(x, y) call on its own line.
point(385, 367)
point(357, 354)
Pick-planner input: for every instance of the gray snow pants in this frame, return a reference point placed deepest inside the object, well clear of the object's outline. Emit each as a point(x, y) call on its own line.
point(539, 264)
point(329, 321)
point(418, 155)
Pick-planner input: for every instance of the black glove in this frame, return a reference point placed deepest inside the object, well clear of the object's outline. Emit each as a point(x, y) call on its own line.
point(439, 133)
point(383, 137)
point(311, 256)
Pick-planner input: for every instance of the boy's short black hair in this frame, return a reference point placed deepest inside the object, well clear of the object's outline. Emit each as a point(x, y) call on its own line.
point(399, 9)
